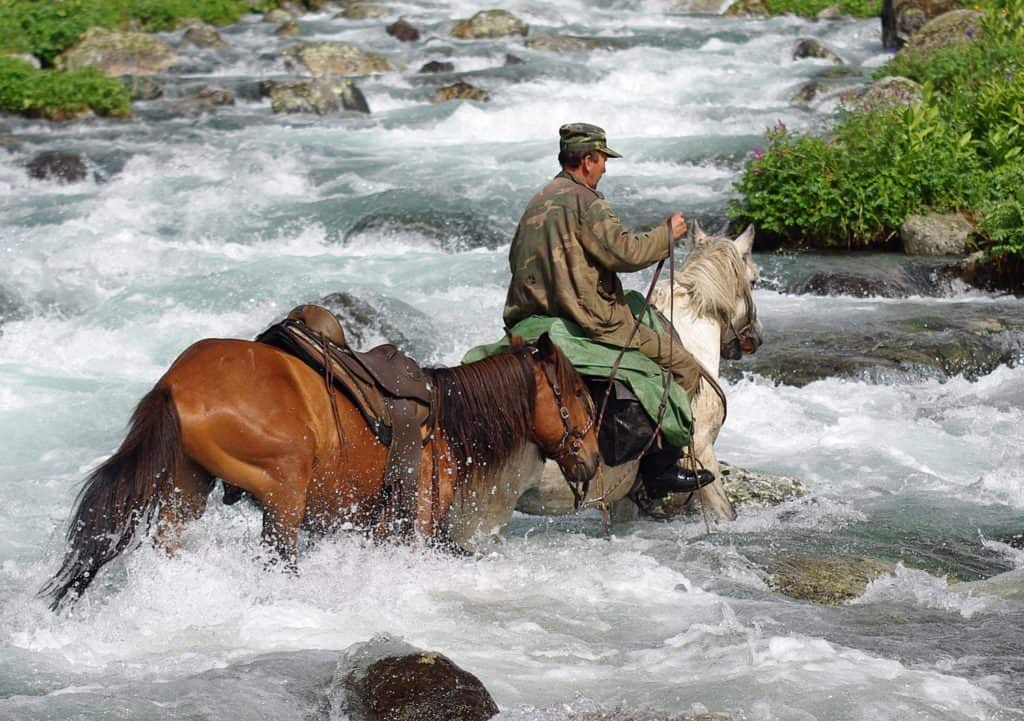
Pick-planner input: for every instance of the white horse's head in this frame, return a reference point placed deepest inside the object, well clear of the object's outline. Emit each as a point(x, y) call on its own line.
point(719, 276)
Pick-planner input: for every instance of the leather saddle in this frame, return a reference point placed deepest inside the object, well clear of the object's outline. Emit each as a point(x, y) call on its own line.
point(394, 395)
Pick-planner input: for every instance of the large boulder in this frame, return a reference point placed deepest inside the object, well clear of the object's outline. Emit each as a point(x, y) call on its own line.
point(489, 24)
point(909, 16)
point(386, 679)
point(935, 234)
point(60, 166)
point(953, 28)
point(118, 53)
point(335, 58)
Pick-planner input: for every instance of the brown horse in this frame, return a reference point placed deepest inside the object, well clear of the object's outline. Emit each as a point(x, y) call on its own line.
point(262, 421)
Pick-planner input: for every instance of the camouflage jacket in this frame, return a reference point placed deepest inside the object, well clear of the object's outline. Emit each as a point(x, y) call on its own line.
point(564, 258)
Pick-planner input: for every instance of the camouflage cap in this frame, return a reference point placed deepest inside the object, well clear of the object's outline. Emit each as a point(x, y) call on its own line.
point(584, 136)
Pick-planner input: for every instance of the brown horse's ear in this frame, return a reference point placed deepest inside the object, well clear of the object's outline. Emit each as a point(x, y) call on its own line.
point(545, 345)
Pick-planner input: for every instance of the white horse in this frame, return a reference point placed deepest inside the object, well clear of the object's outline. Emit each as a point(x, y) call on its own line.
point(712, 310)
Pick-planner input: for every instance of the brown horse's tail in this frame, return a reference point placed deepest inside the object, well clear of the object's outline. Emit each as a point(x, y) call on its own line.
point(121, 497)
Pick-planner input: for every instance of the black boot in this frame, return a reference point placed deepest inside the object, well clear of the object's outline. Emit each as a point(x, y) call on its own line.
point(675, 479)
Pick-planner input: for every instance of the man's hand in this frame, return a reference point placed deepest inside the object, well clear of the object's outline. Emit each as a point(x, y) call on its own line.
point(678, 225)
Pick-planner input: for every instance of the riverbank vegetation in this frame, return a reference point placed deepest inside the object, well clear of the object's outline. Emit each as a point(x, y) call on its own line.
point(54, 95)
point(961, 148)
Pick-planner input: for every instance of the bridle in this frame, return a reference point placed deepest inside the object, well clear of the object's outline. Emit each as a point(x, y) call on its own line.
point(571, 443)
point(749, 320)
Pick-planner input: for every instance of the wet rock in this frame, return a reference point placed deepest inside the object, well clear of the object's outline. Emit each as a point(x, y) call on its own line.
point(748, 8)
point(623, 715)
point(832, 12)
point(835, 283)
point(368, 322)
point(142, 87)
point(403, 31)
point(319, 95)
point(703, 7)
point(60, 166)
point(437, 66)
point(489, 24)
point(811, 48)
point(203, 35)
point(386, 679)
point(363, 11)
point(744, 488)
point(935, 234)
point(952, 28)
point(890, 92)
point(511, 59)
point(118, 53)
point(334, 58)
point(1004, 273)
point(288, 29)
point(551, 42)
point(277, 15)
point(460, 91)
point(825, 579)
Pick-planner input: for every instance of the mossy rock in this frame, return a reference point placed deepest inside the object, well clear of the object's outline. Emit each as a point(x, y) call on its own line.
point(748, 8)
point(202, 35)
point(118, 53)
point(334, 58)
point(947, 30)
point(490, 24)
point(363, 11)
point(826, 579)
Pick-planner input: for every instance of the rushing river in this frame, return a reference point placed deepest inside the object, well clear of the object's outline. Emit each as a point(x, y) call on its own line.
point(194, 225)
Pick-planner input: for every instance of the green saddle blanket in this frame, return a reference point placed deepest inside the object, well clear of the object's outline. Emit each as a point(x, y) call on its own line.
point(643, 376)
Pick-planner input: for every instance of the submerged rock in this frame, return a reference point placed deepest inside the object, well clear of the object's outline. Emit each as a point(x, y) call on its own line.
point(63, 167)
point(403, 31)
point(142, 87)
point(363, 11)
point(288, 29)
point(437, 66)
point(490, 24)
point(811, 48)
point(551, 42)
point(460, 91)
point(118, 53)
point(826, 579)
point(386, 679)
point(334, 58)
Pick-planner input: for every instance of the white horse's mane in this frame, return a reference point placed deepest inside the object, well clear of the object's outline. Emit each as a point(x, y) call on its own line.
point(713, 276)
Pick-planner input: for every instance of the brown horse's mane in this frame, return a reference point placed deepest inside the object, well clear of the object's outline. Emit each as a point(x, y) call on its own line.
point(485, 409)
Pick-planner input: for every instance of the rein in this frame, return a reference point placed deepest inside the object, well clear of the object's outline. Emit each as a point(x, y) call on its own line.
point(572, 438)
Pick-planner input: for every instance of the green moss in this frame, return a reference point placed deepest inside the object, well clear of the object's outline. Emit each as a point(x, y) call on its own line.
point(59, 96)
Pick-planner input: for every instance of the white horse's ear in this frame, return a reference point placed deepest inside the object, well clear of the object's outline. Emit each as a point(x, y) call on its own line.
point(699, 237)
point(745, 241)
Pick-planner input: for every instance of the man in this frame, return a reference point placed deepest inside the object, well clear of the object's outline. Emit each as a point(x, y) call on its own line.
point(564, 258)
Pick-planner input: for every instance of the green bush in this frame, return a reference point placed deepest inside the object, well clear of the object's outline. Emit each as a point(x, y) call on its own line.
point(58, 96)
point(44, 28)
point(961, 148)
point(855, 187)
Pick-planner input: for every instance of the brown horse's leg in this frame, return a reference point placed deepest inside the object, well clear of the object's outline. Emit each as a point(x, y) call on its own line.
point(283, 512)
point(185, 501)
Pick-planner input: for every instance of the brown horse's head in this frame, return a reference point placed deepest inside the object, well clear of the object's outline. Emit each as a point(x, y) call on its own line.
point(563, 421)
